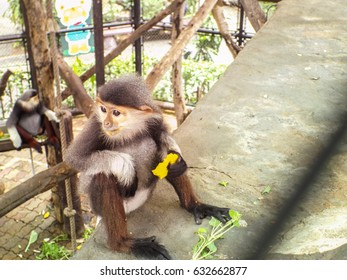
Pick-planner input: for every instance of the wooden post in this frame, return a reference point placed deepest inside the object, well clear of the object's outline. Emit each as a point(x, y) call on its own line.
point(37, 184)
point(176, 50)
point(29, 46)
point(178, 94)
point(222, 24)
point(138, 42)
point(254, 13)
point(98, 43)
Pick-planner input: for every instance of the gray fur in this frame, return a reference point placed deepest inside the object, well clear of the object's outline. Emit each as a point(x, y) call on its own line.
point(117, 92)
point(31, 122)
point(133, 152)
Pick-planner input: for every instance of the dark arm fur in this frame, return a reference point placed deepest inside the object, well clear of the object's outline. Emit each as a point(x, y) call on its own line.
point(14, 116)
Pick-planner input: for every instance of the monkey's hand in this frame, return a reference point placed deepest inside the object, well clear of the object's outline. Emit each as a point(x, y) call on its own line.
point(15, 137)
point(150, 249)
point(128, 191)
point(201, 211)
point(178, 168)
point(52, 116)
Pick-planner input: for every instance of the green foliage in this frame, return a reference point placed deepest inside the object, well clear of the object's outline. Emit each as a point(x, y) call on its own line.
point(266, 190)
point(206, 46)
point(32, 239)
point(111, 9)
point(118, 67)
point(268, 8)
point(88, 233)
point(197, 76)
point(52, 250)
point(14, 12)
point(192, 7)
point(17, 83)
point(223, 183)
point(200, 75)
point(206, 247)
point(152, 7)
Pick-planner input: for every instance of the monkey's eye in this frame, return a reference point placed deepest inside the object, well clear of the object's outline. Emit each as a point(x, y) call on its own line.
point(103, 109)
point(116, 113)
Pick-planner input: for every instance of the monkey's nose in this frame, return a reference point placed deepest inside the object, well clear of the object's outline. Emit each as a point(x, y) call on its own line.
point(107, 124)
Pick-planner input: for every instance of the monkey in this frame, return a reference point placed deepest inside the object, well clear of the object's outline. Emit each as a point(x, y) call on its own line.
point(29, 118)
point(115, 153)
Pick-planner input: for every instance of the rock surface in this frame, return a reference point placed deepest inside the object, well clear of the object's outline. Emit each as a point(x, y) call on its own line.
point(265, 123)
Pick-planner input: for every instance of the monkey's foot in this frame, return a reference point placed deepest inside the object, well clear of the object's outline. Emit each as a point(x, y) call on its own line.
point(202, 211)
point(149, 249)
point(54, 141)
point(36, 145)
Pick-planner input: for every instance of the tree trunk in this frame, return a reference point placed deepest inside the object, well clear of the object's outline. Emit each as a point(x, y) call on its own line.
point(178, 94)
point(222, 24)
point(35, 14)
point(176, 50)
point(3, 81)
point(36, 28)
point(254, 13)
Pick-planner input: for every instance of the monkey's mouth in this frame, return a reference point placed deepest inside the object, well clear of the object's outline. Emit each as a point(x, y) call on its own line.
point(112, 131)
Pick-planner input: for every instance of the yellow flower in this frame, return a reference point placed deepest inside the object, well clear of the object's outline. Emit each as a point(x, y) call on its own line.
point(161, 170)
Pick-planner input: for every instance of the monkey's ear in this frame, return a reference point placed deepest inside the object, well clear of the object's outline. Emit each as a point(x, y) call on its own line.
point(146, 109)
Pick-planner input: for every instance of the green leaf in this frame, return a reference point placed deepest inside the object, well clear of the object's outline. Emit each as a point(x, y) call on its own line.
point(234, 215)
point(201, 231)
point(214, 222)
point(212, 247)
point(32, 239)
point(266, 190)
point(206, 247)
point(223, 183)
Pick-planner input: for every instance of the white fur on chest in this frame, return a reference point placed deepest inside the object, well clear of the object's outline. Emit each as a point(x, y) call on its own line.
point(112, 162)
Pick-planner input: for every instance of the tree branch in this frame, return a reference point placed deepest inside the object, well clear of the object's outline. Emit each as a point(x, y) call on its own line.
point(37, 184)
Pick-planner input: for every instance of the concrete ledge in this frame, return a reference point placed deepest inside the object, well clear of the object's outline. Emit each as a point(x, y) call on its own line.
point(264, 123)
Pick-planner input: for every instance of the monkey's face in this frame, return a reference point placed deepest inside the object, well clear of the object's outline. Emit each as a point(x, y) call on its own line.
point(121, 121)
point(29, 101)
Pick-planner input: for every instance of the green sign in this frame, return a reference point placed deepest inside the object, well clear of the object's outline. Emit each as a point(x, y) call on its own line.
point(75, 14)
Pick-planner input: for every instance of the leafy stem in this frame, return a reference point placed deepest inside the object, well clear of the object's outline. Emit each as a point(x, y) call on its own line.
point(205, 247)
